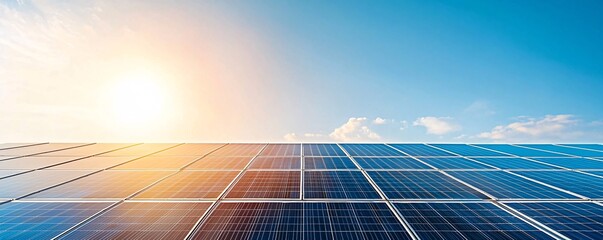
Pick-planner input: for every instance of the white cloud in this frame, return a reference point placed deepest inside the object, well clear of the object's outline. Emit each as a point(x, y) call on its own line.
point(547, 128)
point(436, 125)
point(354, 129)
point(379, 121)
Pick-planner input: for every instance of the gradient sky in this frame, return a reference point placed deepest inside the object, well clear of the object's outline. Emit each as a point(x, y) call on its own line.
point(408, 71)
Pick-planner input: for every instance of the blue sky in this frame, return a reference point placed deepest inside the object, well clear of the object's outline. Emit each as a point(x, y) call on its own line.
point(428, 71)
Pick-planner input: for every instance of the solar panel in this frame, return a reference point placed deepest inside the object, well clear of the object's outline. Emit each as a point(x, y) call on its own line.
point(239, 150)
point(23, 184)
point(328, 163)
point(597, 147)
point(573, 163)
point(190, 149)
point(507, 186)
point(17, 145)
point(94, 163)
point(282, 150)
point(30, 163)
point(575, 220)
point(390, 163)
point(105, 184)
point(158, 163)
point(370, 150)
point(37, 149)
point(267, 184)
point(322, 150)
point(276, 163)
point(454, 163)
point(520, 151)
point(88, 150)
point(43, 220)
point(220, 163)
point(565, 150)
point(338, 185)
point(471, 220)
point(583, 184)
point(7, 173)
point(422, 185)
point(513, 163)
point(467, 150)
point(140, 150)
point(420, 150)
point(143, 220)
point(190, 184)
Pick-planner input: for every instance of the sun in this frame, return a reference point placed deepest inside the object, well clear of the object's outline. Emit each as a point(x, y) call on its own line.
point(138, 98)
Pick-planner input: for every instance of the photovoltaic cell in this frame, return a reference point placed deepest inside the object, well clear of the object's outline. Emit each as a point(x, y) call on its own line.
point(236, 150)
point(17, 145)
point(513, 163)
point(421, 185)
point(88, 150)
point(30, 163)
point(370, 150)
point(276, 163)
point(519, 151)
point(140, 150)
point(466, 221)
point(573, 163)
point(507, 186)
point(583, 184)
point(6, 173)
point(328, 163)
point(576, 220)
point(390, 163)
point(565, 150)
point(158, 163)
point(454, 163)
point(338, 185)
point(190, 184)
point(37, 149)
point(43, 220)
point(94, 163)
point(220, 163)
point(23, 184)
point(105, 184)
point(322, 150)
point(267, 184)
point(597, 147)
point(282, 150)
point(420, 150)
point(190, 149)
point(143, 220)
point(467, 150)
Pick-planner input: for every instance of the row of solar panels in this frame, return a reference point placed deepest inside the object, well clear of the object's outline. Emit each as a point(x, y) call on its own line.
point(301, 220)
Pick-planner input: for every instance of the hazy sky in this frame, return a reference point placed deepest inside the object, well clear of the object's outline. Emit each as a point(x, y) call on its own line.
point(198, 71)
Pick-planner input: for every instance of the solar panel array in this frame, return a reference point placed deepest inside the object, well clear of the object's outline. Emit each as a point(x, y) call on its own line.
point(301, 191)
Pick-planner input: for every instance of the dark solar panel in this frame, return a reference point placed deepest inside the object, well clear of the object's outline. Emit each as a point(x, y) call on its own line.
point(466, 221)
point(583, 184)
point(220, 163)
point(421, 185)
point(322, 150)
point(467, 150)
point(390, 163)
point(239, 150)
point(338, 185)
point(565, 150)
point(190, 149)
point(282, 150)
point(573, 163)
point(158, 163)
point(328, 163)
point(276, 163)
point(505, 185)
point(143, 220)
point(454, 163)
point(420, 150)
point(267, 184)
point(520, 151)
point(576, 220)
point(370, 150)
point(513, 163)
point(43, 220)
point(597, 147)
point(191, 184)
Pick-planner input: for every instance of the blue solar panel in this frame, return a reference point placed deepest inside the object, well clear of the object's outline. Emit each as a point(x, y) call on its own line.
point(390, 163)
point(454, 163)
point(566, 150)
point(43, 220)
point(576, 220)
point(143, 220)
point(466, 221)
point(267, 184)
point(520, 151)
point(282, 150)
point(276, 163)
point(328, 163)
point(420, 150)
point(507, 186)
point(573, 163)
point(370, 150)
point(598, 147)
point(467, 150)
point(422, 185)
point(338, 185)
point(583, 184)
point(513, 163)
point(322, 150)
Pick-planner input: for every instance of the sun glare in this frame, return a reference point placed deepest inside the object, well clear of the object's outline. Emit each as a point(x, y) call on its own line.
point(138, 98)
